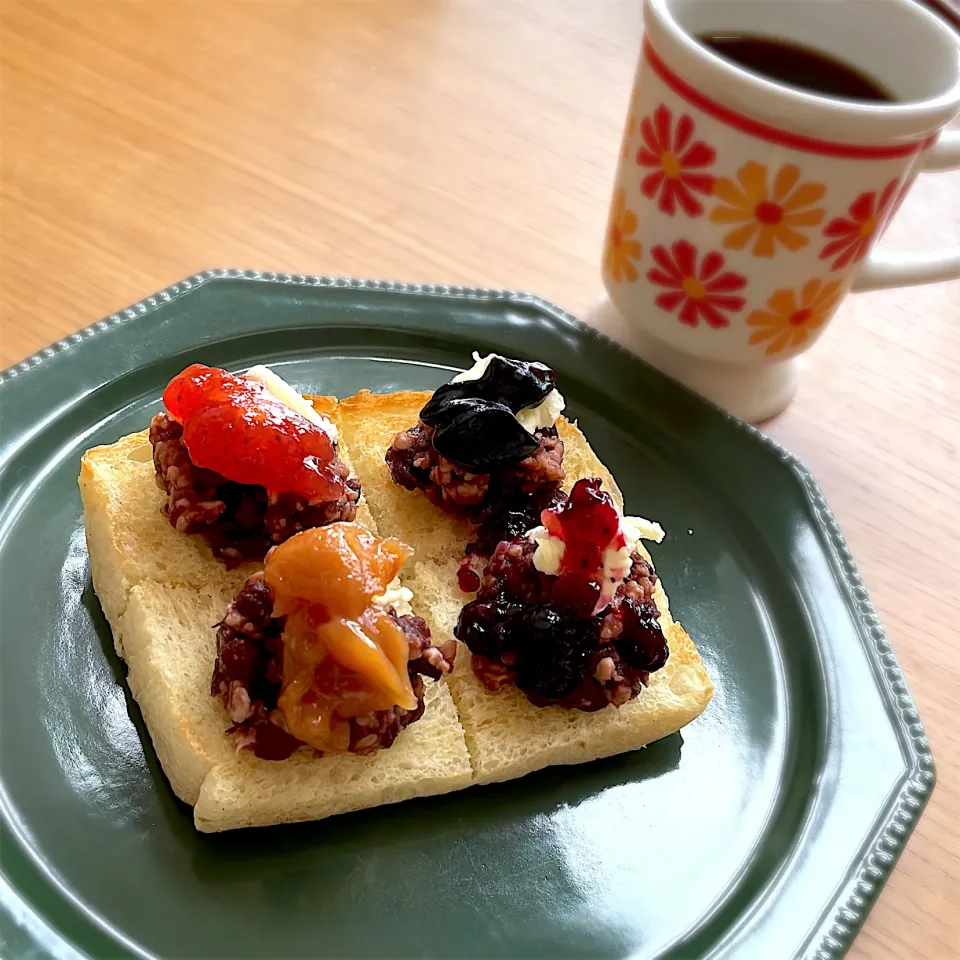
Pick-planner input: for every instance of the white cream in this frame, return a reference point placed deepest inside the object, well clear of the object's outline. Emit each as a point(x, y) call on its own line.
point(548, 556)
point(616, 567)
point(395, 596)
point(478, 369)
point(636, 528)
point(549, 553)
point(544, 414)
point(288, 396)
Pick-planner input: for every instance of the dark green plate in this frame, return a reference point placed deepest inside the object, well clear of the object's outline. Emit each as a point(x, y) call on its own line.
point(764, 830)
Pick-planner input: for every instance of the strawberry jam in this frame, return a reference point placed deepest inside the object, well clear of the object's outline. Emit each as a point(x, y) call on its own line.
point(234, 426)
point(588, 524)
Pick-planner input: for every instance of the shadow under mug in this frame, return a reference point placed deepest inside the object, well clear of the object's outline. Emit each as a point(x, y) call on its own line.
point(744, 210)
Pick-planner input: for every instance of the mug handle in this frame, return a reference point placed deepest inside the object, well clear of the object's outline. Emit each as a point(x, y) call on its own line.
point(906, 270)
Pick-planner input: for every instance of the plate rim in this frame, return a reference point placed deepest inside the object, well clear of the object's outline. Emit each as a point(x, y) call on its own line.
point(919, 779)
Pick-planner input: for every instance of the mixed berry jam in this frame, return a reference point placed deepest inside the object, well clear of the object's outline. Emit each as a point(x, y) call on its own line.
point(527, 628)
point(237, 428)
point(588, 524)
point(510, 516)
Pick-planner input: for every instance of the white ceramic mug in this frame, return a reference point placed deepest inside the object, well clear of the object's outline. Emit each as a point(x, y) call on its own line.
point(744, 210)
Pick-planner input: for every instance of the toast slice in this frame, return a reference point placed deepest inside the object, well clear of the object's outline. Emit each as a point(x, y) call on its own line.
point(506, 735)
point(162, 592)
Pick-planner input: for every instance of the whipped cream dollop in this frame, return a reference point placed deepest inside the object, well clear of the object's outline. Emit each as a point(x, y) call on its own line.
point(548, 557)
point(545, 414)
point(396, 596)
point(283, 392)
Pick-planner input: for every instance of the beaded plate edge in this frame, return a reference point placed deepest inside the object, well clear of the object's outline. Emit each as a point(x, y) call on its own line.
point(863, 890)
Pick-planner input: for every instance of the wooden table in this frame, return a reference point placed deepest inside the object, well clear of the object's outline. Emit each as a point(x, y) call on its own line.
point(475, 143)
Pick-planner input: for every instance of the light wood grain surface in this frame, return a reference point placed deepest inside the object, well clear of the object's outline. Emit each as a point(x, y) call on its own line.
point(464, 142)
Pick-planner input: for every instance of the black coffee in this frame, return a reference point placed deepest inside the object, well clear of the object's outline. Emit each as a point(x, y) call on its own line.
point(796, 66)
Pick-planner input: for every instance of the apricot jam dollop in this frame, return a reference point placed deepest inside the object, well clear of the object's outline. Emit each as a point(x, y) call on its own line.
point(343, 654)
point(234, 426)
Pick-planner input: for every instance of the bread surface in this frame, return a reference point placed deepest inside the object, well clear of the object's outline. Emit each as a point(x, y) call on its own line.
point(162, 593)
point(508, 736)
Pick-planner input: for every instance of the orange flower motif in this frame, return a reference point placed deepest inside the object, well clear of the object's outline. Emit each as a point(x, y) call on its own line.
point(788, 323)
point(768, 216)
point(622, 248)
point(676, 156)
point(855, 233)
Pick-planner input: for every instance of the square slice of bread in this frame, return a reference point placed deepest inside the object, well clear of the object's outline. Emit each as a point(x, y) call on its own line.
point(162, 593)
point(506, 735)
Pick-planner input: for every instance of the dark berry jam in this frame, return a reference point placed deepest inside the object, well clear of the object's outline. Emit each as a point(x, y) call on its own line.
point(474, 420)
point(521, 629)
point(415, 464)
point(510, 516)
point(515, 384)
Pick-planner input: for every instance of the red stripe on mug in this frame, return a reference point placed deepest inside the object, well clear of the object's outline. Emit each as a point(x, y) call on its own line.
point(783, 138)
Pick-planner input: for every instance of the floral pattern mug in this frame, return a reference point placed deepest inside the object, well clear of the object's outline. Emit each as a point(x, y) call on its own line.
point(744, 210)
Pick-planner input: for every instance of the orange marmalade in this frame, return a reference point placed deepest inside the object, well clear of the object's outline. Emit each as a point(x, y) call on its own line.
point(343, 655)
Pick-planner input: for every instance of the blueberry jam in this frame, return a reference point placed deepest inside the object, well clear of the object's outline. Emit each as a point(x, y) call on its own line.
point(520, 630)
point(415, 464)
point(515, 384)
point(474, 420)
point(543, 632)
point(509, 517)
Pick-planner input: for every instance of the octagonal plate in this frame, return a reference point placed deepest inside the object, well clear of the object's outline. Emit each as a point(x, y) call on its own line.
point(764, 829)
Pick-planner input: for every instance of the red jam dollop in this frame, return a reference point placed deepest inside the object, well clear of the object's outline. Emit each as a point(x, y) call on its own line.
point(236, 427)
point(588, 524)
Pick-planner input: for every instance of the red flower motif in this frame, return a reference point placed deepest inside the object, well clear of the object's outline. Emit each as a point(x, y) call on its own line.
point(703, 291)
point(866, 216)
point(674, 156)
point(903, 188)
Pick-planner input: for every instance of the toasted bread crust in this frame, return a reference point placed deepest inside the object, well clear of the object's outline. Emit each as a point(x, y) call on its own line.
point(506, 735)
point(366, 405)
point(161, 591)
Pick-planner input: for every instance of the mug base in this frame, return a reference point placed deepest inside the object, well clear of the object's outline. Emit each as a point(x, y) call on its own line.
point(751, 392)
